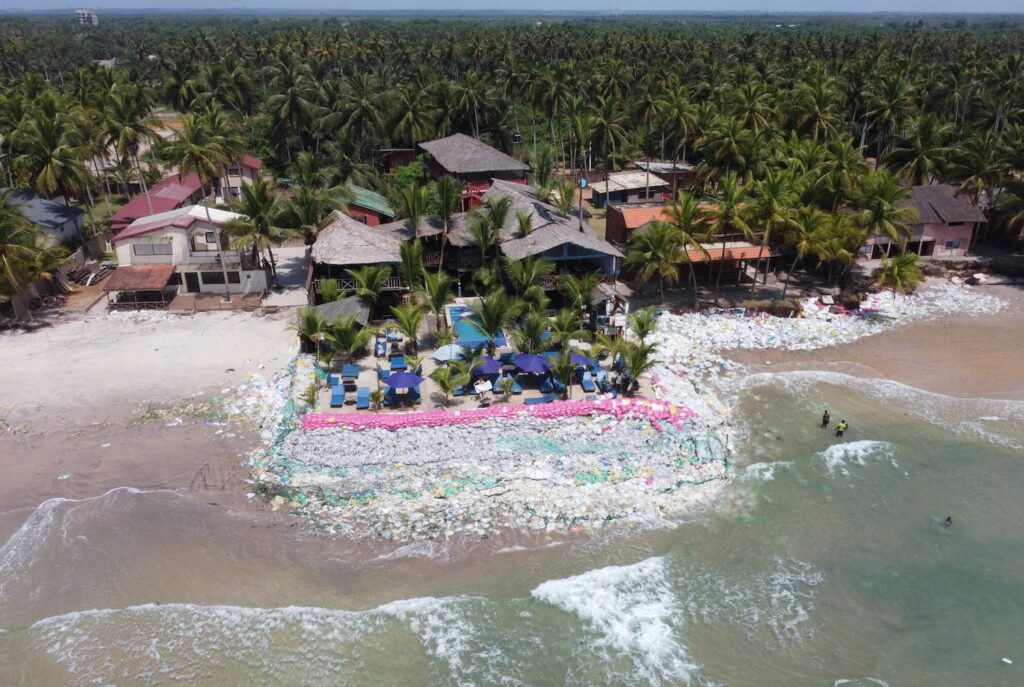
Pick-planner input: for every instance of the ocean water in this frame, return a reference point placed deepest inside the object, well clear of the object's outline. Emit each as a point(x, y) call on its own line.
point(826, 564)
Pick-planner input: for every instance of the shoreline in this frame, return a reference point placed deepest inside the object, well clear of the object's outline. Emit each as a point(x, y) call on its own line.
point(154, 455)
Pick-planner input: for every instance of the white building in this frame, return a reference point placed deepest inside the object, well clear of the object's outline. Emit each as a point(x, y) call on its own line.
point(86, 17)
point(200, 252)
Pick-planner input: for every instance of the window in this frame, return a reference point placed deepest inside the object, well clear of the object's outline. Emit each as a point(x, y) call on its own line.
point(211, 278)
point(955, 224)
point(359, 218)
point(953, 245)
point(151, 248)
point(211, 238)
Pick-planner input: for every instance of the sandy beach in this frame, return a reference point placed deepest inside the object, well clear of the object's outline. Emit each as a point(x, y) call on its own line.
point(956, 355)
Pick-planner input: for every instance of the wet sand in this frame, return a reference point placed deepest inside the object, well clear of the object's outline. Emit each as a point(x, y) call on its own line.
point(958, 355)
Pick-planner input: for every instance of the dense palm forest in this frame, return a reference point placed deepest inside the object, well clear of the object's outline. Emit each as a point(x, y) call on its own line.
point(808, 133)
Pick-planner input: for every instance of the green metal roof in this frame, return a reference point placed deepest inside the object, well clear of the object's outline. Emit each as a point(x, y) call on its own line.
point(371, 200)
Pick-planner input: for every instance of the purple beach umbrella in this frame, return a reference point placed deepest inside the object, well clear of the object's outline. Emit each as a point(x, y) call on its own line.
point(580, 359)
point(486, 366)
point(403, 380)
point(534, 364)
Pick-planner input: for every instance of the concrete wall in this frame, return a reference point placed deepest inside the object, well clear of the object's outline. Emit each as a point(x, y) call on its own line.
point(938, 234)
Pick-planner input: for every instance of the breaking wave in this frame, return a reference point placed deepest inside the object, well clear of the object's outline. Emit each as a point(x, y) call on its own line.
point(635, 614)
point(839, 457)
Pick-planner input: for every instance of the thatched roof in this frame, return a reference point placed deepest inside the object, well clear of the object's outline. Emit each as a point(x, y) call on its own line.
point(346, 241)
point(352, 306)
point(461, 154)
point(939, 204)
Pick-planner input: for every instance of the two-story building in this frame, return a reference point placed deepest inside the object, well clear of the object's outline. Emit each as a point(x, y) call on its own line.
point(945, 224)
point(192, 242)
point(627, 187)
point(475, 163)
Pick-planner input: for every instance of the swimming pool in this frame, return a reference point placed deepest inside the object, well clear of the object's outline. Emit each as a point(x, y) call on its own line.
point(466, 330)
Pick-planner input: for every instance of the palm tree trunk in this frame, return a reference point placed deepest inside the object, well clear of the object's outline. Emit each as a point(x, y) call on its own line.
point(106, 187)
point(760, 255)
point(721, 268)
point(142, 182)
point(789, 275)
point(273, 267)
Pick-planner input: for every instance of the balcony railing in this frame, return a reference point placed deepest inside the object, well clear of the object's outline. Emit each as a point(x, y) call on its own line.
point(349, 284)
point(549, 282)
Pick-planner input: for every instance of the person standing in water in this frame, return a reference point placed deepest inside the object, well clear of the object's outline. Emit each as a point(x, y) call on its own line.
point(841, 428)
point(825, 419)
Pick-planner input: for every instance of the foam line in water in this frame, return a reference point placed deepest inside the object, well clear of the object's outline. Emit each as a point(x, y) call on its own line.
point(957, 414)
point(860, 682)
point(839, 457)
point(764, 472)
point(50, 519)
point(287, 645)
point(634, 612)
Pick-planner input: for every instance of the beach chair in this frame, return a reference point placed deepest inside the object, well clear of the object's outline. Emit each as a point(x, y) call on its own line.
point(383, 374)
point(398, 363)
point(587, 382)
point(507, 358)
point(333, 380)
point(459, 391)
point(390, 398)
point(363, 398)
point(516, 387)
point(337, 396)
point(380, 348)
point(349, 371)
point(546, 398)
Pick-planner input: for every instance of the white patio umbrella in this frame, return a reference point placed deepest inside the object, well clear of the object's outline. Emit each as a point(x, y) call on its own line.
point(449, 352)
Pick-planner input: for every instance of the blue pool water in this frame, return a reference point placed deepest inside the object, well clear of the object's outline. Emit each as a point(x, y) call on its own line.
point(466, 329)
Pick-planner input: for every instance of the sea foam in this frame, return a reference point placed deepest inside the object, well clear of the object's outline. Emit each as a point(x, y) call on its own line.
point(839, 457)
point(635, 614)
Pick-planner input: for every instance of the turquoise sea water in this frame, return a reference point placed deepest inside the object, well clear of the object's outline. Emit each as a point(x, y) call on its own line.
point(826, 564)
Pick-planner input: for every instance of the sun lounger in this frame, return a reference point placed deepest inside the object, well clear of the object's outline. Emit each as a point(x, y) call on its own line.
point(507, 358)
point(349, 371)
point(398, 363)
point(390, 398)
point(459, 391)
point(587, 383)
point(551, 384)
point(363, 398)
point(546, 398)
point(333, 380)
point(337, 396)
point(383, 374)
point(516, 387)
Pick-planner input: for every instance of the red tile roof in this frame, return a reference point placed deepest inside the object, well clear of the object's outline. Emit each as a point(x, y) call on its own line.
point(139, 278)
point(168, 194)
point(735, 253)
point(636, 217)
point(252, 162)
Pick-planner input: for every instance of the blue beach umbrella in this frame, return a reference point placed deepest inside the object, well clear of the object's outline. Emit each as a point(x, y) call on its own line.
point(449, 352)
point(534, 364)
point(403, 380)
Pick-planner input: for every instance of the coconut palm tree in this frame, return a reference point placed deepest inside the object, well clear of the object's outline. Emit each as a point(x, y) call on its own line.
point(654, 252)
point(410, 266)
point(50, 158)
point(437, 291)
point(486, 222)
point(690, 223)
point(259, 228)
point(348, 339)
point(525, 276)
point(409, 317)
point(450, 377)
point(311, 328)
point(493, 313)
point(370, 281)
point(129, 124)
point(25, 255)
point(900, 273)
point(805, 234)
point(576, 289)
point(309, 209)
point(920, 150)
point(638, 360)
point(880, 206)
point(729, 215)
point(448, 199)
point(566, 326)
point(643, 323)
point(529, 335)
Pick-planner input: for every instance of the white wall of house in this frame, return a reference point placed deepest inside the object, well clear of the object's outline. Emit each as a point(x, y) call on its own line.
point(193, 250)
point(237, 175)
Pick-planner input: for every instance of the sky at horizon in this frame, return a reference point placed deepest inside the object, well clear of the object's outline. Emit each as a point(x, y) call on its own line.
point(595, 6)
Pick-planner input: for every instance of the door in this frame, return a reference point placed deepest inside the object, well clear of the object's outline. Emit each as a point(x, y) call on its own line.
point(192, 282)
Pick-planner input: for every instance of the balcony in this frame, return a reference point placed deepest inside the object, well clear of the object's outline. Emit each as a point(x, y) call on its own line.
point(349, 284)
point(549, 282)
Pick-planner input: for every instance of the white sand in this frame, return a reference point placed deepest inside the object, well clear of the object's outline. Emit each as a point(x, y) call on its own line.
point(97, 367)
